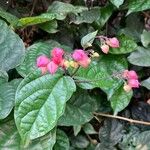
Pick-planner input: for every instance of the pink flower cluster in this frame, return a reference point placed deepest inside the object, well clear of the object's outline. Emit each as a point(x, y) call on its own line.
point(107, 43)
point(57, 60)
point(132, 80)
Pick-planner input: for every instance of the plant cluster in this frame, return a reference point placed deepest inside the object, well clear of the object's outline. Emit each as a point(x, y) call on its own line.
point(71, 71)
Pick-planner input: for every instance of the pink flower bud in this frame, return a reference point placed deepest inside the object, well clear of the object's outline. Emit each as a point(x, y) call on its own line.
point(52, 67)
point(43, 70)
point(125, 74)
point(105, 48)
point(42, 61)
point(132, 75)
point(113, 42)
point(81, 57)
point(57, 55)
point(133, 83)
point(57, 52)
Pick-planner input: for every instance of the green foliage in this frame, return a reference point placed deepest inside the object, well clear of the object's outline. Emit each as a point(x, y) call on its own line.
point(40, 101)
point(11, 48)
point(117, 3)
point(145, 38)
point(146, 83)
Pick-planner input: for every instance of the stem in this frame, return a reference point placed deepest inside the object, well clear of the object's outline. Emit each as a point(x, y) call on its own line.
point(122, 118)
point(75, 71)
point(33, 6)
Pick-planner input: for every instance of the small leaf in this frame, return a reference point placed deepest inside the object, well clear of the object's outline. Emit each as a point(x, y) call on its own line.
point(11, 48)
point(88, 129)
point(145, 38)
point(78, 110)
point(117, 3)
point(87, 40)
point(28, 21)
point(127, 45)
point(50, 27)
point(76, 129)
point(136, 5)
point(62, 141)
point(7, 97)
point(146, 83)
point(120, 100)
point(140, 57)
point(40, 101)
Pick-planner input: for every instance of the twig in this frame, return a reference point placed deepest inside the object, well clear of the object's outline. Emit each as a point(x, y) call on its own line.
point(123, 118)
point(33, 6)
point(75, 71)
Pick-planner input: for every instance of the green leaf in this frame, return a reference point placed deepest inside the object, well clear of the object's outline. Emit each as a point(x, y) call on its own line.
point(3, 77)
point(117, 3)
point(140, 57)
point(87, 40)
point(11, 48)
point(102, 74)
point(7, 97)
point(120, 100)
point(88, 129)
point(87, 16)
point(136, 5)
point(13, 20)
point(78, 110)
point(50, 27)
point(35, 50)
point(145, 38)
point(28, 21)
point(62, 141)
point(10, 139)
point(111, 133)
point(61, 10)
point(127, 45)
point(105, 13)
point(40, 101)
point(76, 129)
point(146, 83)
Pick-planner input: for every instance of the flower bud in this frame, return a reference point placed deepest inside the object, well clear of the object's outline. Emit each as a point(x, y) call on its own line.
point(133, 83)
point(74, 64)
point(127, 88)
point(113, 42)
point(66, 64)
point(42, 61)
point(52, 67)
point(95, 54)
point(105, 48)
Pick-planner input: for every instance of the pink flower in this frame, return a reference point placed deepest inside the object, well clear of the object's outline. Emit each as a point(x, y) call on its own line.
point(43, 70)
point(57, 55)
point(105, 48)
point(132, 75)
point(81, 57)
point(113, 42)
point(52, 67)
point(133, 83)
point(42, 61)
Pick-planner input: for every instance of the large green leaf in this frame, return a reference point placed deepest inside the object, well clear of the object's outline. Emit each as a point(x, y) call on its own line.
point(7, 97)
point(28, 21)
point(127, 45)
point(11, 48)
point(102, 74)
point(140, 57)
point(117, 3)
point(136, 5)
point(145, 38)
point(88, 39)
point(35, 50)
point(13, 20)
point(146, 83)
point(78, 110)
point(3, 77)
point(40, 101)
point(62, 141)
point(87, 16)
point(61, 10)
point(120, 100)
point(10, 139)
